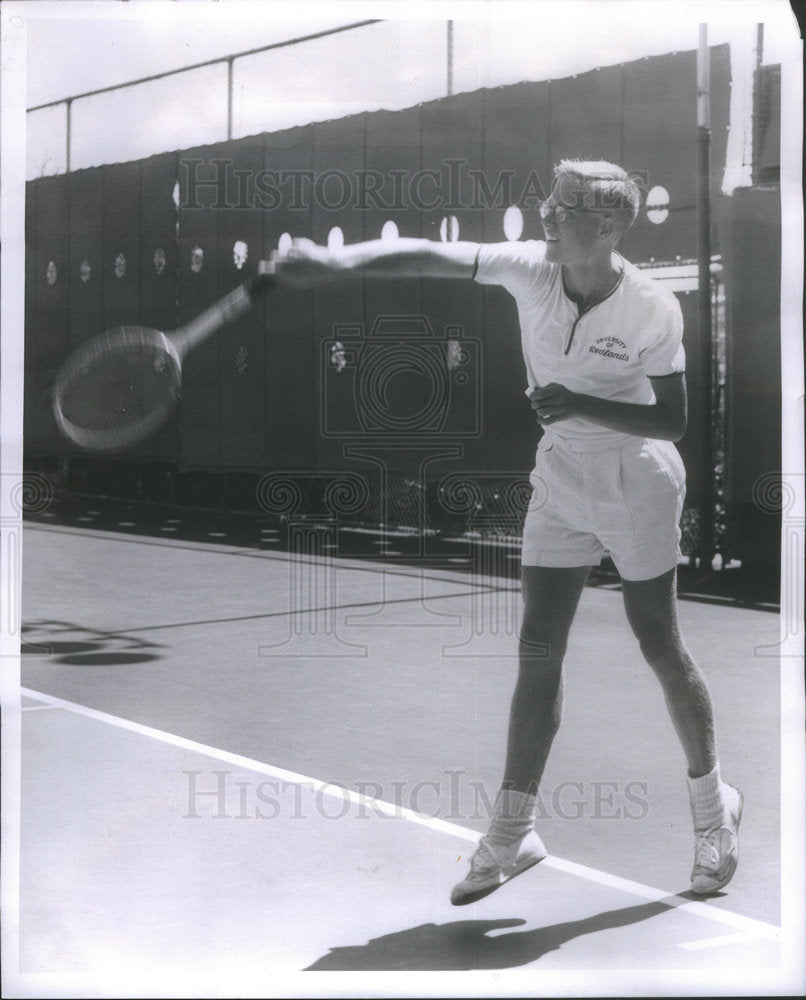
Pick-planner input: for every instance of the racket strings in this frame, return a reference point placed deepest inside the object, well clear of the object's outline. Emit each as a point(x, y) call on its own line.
point(103, 396)
point(113, 395)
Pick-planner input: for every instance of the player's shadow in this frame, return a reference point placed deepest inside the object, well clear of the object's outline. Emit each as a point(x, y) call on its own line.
point(468, 945)
point(84, 646)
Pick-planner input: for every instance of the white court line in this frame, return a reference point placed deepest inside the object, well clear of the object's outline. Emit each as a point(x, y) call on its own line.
point(715, 942)
point(748, 925)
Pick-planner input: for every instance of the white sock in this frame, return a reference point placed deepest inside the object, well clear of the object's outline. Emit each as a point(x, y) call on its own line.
point(514, 816)
point(707, 801)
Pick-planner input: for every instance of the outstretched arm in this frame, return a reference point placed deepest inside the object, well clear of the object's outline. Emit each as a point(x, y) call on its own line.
point(305, 264)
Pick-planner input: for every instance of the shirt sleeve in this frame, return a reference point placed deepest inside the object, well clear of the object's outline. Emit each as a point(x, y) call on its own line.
point(516, 265)
point(663, 352)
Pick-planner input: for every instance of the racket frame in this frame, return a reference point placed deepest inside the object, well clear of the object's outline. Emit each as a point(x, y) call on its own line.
point(176, 345)
point(110, 439)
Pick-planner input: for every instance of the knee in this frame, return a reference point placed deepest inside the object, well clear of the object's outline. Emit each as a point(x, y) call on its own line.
point(663, 651)
point(541, 648)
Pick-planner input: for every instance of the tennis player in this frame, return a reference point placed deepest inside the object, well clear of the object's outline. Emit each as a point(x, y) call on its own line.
point(605, 365)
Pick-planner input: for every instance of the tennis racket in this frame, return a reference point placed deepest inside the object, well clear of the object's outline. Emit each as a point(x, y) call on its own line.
point(118, 388)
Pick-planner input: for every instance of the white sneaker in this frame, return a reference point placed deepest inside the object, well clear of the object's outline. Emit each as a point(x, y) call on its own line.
point(494, 864)
point(716, 851)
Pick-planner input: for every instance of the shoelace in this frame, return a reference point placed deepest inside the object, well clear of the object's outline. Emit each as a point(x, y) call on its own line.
point(483, 858)
point(707, 851)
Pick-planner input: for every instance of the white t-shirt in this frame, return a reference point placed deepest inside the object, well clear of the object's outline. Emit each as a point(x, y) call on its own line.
point(609, 351)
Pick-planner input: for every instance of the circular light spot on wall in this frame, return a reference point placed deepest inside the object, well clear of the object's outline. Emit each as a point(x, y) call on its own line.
point(449, 229)
point(657, 205)
point(389, 231)
point(240, 254)
point(513, 223)
point(285, 243)
point(335, 239)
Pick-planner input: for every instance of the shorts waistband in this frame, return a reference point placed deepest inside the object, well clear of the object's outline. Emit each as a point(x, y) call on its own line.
point(584, 446)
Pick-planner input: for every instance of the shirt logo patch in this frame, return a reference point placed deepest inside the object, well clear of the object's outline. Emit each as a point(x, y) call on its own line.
point(610, 347)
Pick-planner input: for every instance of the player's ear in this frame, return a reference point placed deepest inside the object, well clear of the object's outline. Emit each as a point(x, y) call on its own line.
point(606, 227)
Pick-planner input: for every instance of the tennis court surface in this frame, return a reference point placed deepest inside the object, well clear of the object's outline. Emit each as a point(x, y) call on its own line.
point(249, 772)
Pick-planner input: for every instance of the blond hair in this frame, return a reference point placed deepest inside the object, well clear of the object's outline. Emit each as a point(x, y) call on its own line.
point(603, 185)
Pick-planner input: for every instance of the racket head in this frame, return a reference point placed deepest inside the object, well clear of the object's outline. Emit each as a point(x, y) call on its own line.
point(117, 388)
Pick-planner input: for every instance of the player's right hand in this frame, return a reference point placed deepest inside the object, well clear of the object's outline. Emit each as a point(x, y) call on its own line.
point(304, 264)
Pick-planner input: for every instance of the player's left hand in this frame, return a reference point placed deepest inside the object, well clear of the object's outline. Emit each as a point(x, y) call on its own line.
point(553, 402)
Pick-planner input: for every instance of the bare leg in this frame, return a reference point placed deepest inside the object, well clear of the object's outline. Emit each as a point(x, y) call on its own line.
point(550, 598)
point(652, 613)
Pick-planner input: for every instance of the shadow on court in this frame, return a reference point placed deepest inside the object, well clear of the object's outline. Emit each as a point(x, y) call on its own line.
point(467, 945)
point(74, 645)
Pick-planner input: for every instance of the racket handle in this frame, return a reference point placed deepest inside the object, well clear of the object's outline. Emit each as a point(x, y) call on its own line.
point(224, 311)
point(263, 281)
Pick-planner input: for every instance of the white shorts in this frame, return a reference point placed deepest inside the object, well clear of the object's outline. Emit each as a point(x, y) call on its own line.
point(625, 501)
